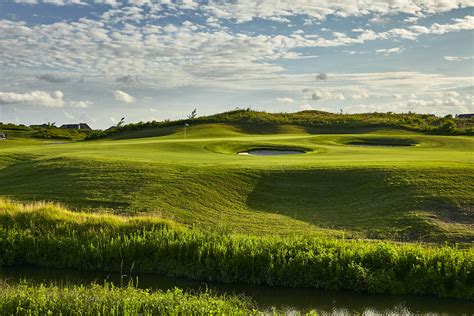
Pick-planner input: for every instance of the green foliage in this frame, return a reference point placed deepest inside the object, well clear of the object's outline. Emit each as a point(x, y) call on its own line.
point(314, 121)
point(36, 234)
point(45, 131)
point(26, 299)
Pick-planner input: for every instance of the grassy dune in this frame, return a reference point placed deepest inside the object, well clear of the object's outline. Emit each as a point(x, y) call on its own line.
point(405, 193)
point(37, 233)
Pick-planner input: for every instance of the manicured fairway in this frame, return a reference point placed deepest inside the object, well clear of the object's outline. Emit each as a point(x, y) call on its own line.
point(418, 192)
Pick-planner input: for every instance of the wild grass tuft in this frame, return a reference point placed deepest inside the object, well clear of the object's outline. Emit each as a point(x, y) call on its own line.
point(107, 299)
point(37, 233)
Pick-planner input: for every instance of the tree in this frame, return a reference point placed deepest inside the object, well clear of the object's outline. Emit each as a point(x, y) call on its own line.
point(122, 121)
point(448, 126)
point(193, 114)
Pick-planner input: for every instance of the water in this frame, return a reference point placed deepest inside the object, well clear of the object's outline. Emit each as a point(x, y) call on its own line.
point(271, 152)
point(299, 299)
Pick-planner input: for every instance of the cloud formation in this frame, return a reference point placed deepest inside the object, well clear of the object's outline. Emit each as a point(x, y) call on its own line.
point(39, 98)
point(123, 97)
point(458, 58)
point(321, 76)
point(285, 100)
point(389, 51)
point(53, 78)
point(253, 51)
point(128, 79)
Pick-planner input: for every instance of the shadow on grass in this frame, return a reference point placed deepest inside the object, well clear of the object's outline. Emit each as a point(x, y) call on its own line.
point(369, 200)
point(60, 180)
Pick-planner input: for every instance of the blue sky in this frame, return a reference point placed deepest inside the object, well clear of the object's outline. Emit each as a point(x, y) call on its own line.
point(96, 61)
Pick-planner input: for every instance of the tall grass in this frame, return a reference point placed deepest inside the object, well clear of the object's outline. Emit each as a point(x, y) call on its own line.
point(26, 299)
point(47, 235)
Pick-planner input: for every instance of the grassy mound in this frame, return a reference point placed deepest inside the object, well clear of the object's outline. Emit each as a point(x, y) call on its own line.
point(25, 299)
point(407, 193)
point(254, 122)
point(37, 233)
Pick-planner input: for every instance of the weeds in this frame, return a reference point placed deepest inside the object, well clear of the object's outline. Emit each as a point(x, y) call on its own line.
point(49, 236)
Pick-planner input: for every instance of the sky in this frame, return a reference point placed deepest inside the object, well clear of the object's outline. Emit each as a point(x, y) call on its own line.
point(96, 61)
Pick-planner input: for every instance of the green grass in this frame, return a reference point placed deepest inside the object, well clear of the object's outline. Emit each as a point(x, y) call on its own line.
point(410, 193)
point(26, 299)
point(254, 122)
point(37, 233)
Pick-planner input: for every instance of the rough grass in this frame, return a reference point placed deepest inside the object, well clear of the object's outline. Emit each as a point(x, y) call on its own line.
point(37, 233)
point(26, 299)
point(412, 193)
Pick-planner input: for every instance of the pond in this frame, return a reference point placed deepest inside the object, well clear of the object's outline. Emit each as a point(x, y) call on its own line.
point(298, 299)
point(271, 152)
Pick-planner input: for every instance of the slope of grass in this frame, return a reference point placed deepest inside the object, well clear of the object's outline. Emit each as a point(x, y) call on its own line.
point(254, 122)
point(26, 299)
point(420, 192)
point(37, 233)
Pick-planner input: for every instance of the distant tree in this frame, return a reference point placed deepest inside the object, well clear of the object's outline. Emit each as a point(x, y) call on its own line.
point(122, 121)
point(449, 126)
point(193, 114)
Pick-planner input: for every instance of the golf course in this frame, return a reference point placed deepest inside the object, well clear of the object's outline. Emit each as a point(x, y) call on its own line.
point(373, 209)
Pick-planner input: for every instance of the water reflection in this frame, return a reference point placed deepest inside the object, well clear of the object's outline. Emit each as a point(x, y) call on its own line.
point(291, 300)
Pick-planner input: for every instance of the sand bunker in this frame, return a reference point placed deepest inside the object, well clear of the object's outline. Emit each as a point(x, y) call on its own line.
point(271, 152)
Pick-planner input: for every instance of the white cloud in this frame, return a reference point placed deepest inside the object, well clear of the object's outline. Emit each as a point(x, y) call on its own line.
point(466, 23)
point(170, 28)
point(172, 55)
point(321, 76)
point(458, 58)
point(123, 97)
point(360, 95)
point(54, 78)
point(397, 96)
point(449, 105)
point(411, 19)
point(389, 51)
point(81, 104)
point(39, 98)
point(27, 1)
point(128, 79)
point(452, 94)
point(306, 107)
point(243, 10)
point(339, 96)
point(318, 95)
point(380, 20)
point(194, 56)
point(285, 100)
point(69, 116)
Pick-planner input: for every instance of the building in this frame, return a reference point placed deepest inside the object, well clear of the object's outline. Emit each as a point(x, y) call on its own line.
point(465, 116)
point(76, 126)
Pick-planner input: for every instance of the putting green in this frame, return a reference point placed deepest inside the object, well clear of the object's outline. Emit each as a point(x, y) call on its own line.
point(413, 187)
